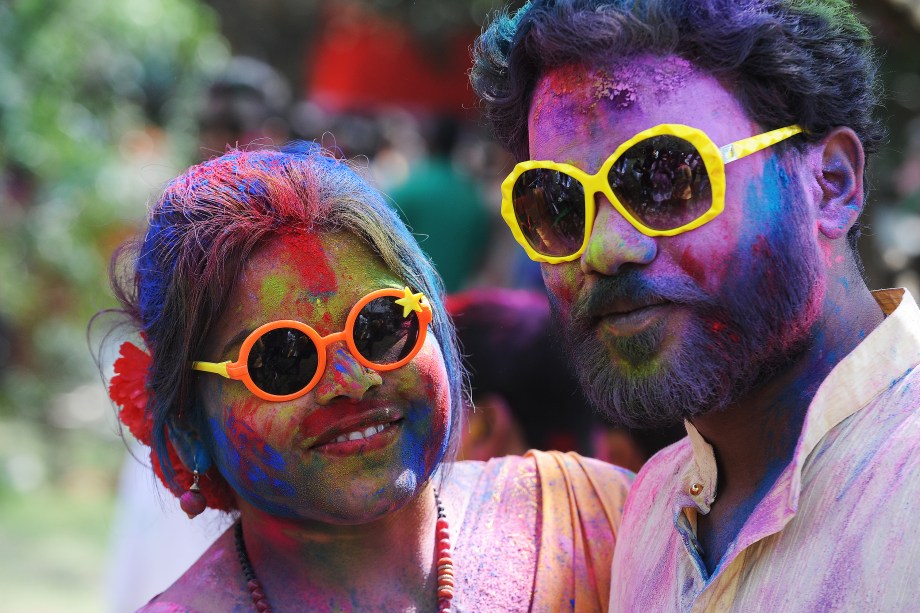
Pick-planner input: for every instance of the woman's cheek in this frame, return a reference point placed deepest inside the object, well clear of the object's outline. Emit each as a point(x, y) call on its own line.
point(252, 440)
point(429, 390)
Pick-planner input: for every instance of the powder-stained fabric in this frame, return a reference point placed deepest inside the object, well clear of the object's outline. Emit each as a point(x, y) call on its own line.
point(834, 533)
point(538, 533)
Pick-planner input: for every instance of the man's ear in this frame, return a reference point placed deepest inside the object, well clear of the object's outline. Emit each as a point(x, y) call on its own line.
point(190, 448)
point(842, 161)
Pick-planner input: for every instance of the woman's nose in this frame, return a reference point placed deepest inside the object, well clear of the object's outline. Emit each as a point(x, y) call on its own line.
point(345, 378)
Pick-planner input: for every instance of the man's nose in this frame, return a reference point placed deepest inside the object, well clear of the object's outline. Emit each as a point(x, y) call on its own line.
point(345, 377)
point(614, 242)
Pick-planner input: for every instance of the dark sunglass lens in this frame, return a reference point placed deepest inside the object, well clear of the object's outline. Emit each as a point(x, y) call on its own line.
point(663, 182)
point(282, 361)
point(550, 210)
point(382, 334)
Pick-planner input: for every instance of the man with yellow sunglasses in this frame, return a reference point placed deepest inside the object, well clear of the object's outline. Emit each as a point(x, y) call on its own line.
point(690, 177)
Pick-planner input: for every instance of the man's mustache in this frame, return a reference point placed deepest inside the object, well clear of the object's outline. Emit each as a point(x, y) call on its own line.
point(637, 289)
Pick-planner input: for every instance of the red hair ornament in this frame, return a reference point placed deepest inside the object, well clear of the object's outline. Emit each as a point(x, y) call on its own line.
point(128, 390)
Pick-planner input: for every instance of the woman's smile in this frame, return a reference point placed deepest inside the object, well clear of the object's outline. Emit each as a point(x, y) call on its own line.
point(350, 428)
point(360, 441)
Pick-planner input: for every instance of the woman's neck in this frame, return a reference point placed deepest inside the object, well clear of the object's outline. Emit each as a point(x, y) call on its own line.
point(389, 560)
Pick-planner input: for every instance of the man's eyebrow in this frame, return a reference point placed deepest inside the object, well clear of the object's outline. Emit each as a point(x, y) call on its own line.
point(238, 338)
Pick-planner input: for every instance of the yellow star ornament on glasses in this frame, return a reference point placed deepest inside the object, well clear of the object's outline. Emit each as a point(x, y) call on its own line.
point(410, 302)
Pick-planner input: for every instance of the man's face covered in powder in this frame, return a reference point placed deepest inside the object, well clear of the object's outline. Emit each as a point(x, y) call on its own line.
point(287, 458)
point(666, 328)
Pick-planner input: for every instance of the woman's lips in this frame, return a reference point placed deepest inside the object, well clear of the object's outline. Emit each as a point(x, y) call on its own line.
point(347, 428)
point(360, 441)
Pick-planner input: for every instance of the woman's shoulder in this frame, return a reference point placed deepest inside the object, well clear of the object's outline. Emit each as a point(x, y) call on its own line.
point(158, 606)
point(536, 525)
point(586, 483)
point(468, 479)
point(208, 585)
point(543, 472)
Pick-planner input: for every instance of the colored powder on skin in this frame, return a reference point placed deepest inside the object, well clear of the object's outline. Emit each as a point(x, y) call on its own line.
point(659, 78)
point(348, 376)
point(272, 293)
point(671, 76)
point(416, 456)
point(568, 96)
point(229, 452)
point(309, 259)
point(693, 267)
point(764, 201)
point(245, 437)
point(565, 80)
point(237, 468)
point(621, 94)
point(283, 487)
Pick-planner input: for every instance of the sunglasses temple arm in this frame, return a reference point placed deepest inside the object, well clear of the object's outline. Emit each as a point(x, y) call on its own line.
point(747, 146)
point(213, 367)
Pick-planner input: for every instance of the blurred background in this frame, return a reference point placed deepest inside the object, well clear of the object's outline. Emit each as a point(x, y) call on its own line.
point(101, 102)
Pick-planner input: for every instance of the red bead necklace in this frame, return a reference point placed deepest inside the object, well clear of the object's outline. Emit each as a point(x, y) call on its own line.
point(442, 552)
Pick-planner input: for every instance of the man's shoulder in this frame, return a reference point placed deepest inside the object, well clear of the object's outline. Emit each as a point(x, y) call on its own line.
point(891, 426)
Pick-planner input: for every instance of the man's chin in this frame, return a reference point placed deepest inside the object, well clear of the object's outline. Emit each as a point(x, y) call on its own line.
point(639, 355)
point(652, 379)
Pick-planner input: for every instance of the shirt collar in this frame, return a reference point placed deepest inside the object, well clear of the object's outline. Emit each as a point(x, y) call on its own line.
point(891, 349)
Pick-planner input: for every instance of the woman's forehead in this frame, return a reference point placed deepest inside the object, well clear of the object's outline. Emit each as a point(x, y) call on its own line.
point(297, 273)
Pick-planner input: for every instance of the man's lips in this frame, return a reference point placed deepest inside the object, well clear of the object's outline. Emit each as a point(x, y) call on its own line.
point(625, 307)
point(632, 319)
point(324, 425)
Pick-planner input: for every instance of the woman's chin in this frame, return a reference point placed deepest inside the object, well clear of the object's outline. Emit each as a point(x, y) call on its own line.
point(352, 502)
point(369, 502)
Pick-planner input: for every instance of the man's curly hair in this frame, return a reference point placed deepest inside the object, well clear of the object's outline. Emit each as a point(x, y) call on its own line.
point(805, 62)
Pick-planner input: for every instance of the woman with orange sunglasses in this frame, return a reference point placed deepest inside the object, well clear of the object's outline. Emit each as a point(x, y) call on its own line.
point(299, 372)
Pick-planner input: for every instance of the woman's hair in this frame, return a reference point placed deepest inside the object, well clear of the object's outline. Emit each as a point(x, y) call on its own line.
point(175, 282)
point(805, 62)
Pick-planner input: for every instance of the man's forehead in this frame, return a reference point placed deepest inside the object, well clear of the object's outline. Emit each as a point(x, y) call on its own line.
point(580, 113)
point(615, 84)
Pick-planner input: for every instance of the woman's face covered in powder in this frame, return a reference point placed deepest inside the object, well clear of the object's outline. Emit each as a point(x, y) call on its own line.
point(282, 457)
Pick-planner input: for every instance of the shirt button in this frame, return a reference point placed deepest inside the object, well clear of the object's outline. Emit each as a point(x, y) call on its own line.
point(695, 489)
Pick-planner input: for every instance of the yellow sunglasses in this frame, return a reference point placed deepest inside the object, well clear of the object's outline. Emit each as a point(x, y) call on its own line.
point(664, 181)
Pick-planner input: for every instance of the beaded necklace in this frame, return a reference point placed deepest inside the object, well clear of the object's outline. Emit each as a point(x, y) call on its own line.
point(442, 549)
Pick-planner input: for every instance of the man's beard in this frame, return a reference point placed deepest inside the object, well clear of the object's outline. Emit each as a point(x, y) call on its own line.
point(731, 343)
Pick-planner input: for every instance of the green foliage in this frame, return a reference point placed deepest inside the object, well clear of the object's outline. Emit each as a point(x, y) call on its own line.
point(97, 109)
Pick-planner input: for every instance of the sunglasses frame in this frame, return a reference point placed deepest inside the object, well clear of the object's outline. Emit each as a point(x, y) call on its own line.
point(239, 370)
point(714, 159)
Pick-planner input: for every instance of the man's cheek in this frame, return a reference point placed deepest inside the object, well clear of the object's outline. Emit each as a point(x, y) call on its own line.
point(561, 282)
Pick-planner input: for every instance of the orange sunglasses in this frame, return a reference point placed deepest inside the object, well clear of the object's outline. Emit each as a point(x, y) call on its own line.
point(283, 360)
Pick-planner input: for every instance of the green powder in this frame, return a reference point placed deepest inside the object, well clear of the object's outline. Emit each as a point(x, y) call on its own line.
point(274, 289)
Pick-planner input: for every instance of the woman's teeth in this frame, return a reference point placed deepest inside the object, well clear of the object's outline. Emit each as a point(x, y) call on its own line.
point(359, 434)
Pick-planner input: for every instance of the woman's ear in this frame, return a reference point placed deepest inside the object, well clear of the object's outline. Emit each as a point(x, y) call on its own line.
point(190, 448)
point(842, 162)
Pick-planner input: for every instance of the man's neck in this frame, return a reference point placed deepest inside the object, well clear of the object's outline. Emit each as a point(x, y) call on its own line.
point(755, 438)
